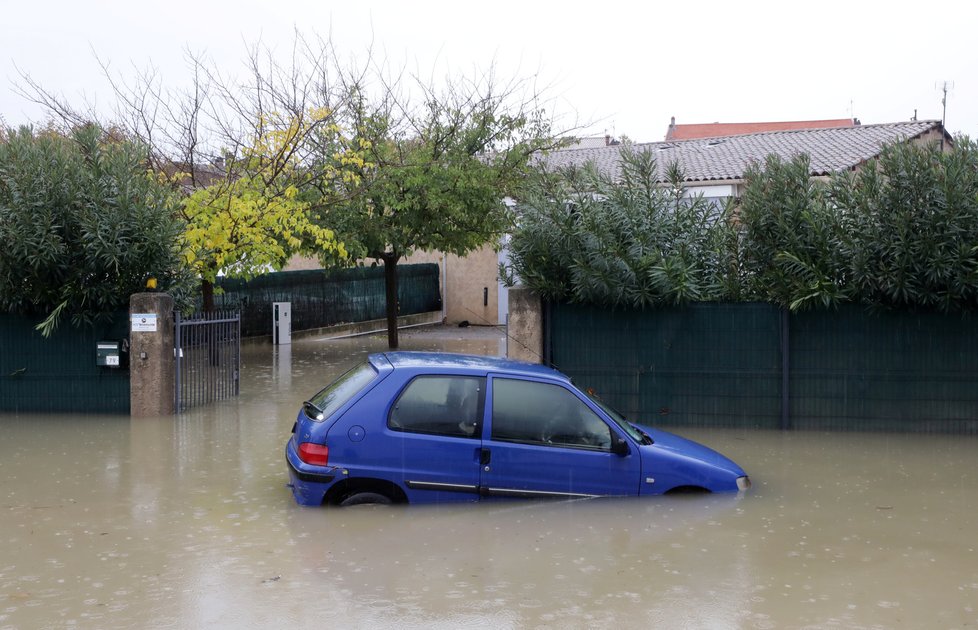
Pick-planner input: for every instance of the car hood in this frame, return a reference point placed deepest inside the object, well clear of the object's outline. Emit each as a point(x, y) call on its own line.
point(667, 441)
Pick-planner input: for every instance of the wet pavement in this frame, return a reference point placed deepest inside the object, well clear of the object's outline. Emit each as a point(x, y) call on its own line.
point(186, 522)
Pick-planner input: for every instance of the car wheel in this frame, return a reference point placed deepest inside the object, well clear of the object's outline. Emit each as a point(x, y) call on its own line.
point(366, 498)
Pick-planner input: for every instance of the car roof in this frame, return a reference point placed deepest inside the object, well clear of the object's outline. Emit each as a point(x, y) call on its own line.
point(472, 363)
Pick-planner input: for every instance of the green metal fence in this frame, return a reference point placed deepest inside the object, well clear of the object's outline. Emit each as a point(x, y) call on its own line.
point(751, 365)
point(59, 373)
point(889, 370)
point(321, 298)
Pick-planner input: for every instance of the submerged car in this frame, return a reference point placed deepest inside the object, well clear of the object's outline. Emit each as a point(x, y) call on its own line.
point(418, 427)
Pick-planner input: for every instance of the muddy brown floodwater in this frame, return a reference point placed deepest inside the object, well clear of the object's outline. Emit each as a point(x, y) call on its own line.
point(186, 522)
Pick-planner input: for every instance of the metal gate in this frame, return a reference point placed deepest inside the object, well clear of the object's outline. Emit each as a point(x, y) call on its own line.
point(207, 348)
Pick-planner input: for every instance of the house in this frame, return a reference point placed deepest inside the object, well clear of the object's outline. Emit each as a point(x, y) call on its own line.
point(714, 166)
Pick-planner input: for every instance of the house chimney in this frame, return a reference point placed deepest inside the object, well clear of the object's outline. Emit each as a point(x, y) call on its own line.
point(607, 140)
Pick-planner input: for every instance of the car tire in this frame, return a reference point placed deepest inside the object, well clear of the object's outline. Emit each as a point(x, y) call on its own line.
point(366, 498)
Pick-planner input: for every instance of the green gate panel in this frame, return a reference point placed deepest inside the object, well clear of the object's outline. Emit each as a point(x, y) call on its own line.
point(59, 374)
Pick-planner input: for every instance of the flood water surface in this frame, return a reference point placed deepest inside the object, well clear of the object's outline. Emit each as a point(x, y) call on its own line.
point(186, 522)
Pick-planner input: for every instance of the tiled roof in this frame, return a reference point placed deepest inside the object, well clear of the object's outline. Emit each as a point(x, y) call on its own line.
point(830, 150)
point(713, 130)
point(591, 142)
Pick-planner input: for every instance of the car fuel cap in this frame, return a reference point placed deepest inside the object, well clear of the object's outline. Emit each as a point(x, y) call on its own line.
point(356, 433)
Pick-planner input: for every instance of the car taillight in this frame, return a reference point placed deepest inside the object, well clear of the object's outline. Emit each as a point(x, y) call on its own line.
point(315, 454)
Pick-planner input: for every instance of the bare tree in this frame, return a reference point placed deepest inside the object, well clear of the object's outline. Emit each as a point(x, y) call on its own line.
point(381, 161)
point(250, 135)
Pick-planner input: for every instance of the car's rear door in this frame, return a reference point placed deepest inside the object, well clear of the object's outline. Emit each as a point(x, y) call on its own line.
point(436, 425)
point(542, 439)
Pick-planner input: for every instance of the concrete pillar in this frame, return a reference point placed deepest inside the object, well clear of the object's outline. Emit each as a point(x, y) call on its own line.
point(525, 326)
point(151, 367)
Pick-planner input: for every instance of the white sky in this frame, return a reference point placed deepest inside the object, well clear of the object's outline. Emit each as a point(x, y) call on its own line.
point(628, 66)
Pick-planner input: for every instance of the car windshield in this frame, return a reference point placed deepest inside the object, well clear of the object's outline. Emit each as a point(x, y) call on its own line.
point(337, 393)
point(620, 420)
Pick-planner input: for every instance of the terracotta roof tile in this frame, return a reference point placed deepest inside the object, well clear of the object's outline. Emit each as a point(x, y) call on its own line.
point(713, 130)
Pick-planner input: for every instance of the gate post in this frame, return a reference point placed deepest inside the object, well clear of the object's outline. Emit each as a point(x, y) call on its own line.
point(151, 362)
point(525, 326)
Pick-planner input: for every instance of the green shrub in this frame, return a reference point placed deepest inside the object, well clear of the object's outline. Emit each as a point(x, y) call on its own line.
point(81, 225)
point(584, 237)
point(913, 216)
point(795, 243)
point(901, 232)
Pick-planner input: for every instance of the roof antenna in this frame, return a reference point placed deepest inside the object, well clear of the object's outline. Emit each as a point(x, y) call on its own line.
point(946, 86)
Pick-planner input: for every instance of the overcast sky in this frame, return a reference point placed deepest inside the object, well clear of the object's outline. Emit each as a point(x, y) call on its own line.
point(626, 66)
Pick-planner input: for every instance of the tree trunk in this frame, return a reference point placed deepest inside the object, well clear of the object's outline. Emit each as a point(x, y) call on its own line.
point(390, 286)
point(207, 293)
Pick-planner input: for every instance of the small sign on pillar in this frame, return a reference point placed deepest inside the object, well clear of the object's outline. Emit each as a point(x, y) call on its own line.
point(143, 322)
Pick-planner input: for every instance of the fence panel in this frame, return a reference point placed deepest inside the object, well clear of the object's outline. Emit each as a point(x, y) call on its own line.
point(208, 358)
point(320, 298)
point(887, 370)
point(703, 365)
point(59, 373)
point(723, 365)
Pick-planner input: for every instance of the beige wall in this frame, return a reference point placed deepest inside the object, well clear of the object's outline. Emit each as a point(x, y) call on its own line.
point(933, 136)
point(301, 263)
point(464, 281)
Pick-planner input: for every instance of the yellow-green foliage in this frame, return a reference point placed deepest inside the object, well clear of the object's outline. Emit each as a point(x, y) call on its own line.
point(256, 217)
point(244, 227)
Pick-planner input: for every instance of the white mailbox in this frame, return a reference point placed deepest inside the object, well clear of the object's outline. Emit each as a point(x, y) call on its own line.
point(281, 323)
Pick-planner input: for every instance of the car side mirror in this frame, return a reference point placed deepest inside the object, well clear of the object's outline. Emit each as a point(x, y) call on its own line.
point(619, 446)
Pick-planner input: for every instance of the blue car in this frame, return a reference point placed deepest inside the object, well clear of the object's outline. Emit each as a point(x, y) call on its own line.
point(417, 427)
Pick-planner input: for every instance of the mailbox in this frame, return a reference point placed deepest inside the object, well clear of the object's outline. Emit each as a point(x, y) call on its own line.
point(108, 354)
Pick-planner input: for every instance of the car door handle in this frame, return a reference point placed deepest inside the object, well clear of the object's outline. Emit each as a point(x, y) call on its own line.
point(485, 455)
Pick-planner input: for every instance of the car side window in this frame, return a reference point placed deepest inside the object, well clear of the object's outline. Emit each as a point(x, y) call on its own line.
point(439, 405)
point(543, 413)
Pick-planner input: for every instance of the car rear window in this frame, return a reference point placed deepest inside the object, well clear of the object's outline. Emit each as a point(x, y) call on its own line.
point(337, 393)
point(439, 405)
